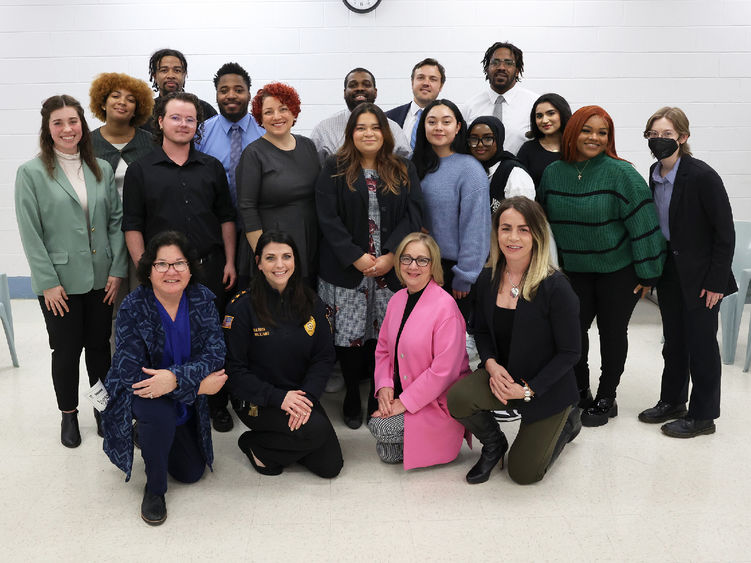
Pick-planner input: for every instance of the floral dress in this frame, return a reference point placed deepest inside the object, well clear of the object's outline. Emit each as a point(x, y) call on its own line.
point(356, 314)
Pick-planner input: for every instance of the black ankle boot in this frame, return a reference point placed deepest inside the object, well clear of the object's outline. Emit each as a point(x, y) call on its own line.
point(494, 445)
point(153, 508)
point(98, 418)
point(70, 435)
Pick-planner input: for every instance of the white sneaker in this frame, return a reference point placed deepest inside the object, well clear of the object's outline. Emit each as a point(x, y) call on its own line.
point(506, 416)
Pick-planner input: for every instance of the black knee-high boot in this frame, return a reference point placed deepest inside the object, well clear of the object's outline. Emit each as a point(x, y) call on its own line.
point(571, 430)
point(494, 444)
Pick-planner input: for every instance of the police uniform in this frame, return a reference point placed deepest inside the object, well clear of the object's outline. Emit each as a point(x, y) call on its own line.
point(265, 362)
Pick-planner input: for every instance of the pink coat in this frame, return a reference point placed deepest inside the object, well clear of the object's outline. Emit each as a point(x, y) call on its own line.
point(432, 356)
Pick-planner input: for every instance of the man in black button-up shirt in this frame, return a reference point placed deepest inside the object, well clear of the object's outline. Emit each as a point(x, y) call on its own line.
point(177, 187)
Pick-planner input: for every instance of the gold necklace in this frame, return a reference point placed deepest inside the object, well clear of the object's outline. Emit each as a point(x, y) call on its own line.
point(582, 170)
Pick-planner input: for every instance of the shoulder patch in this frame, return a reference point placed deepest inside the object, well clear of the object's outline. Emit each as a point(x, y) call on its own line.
point(238, 295)
point(310, 326)
point(227, 322)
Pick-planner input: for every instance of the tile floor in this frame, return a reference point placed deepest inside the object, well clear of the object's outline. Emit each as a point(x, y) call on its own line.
point(622, 492)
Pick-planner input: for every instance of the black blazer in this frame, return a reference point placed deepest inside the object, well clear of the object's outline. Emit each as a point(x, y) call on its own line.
point(702, 235)
point(545, 342)
point(399, 114)
point(343, 219)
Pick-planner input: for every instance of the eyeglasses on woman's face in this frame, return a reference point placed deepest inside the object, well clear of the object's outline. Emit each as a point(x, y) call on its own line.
point(162, 267)
point(422, 261)
point(667, 134)
point(486, 140)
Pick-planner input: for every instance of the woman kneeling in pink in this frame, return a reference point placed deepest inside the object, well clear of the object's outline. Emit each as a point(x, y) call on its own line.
point(421, 352)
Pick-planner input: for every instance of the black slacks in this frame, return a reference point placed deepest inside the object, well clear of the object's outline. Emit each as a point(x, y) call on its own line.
point(314, 445)
point(610, 298)
point(690, 349)
point(166, 447)
point(210, 274)
point(86, 326)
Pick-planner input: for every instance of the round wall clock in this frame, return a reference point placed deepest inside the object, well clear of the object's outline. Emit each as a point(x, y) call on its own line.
point(361, 6)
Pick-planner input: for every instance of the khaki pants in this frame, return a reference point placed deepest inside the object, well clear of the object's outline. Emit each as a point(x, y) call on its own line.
point(530, 454)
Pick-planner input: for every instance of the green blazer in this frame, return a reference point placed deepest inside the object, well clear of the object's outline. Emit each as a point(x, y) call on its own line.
point(54, 233)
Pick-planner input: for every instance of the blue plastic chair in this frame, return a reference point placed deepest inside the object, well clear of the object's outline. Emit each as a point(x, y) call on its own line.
point(7, 317)
point(731, 309)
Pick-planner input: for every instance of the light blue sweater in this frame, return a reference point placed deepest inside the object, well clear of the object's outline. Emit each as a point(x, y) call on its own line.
point(457, 213)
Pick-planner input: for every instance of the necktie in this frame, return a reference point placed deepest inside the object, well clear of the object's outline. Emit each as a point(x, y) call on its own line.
point(413, 138)
point(235, 149)
point(498, 108)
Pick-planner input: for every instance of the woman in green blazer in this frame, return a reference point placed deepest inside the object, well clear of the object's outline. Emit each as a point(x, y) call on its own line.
point(69, 218)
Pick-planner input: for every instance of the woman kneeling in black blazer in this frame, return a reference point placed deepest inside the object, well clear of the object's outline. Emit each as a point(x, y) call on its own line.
point(527, 335)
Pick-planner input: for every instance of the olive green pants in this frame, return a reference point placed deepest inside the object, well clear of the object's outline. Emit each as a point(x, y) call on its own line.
point(531, 453)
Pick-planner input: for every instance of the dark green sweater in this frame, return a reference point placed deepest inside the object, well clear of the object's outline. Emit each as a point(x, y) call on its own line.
point(605, 221)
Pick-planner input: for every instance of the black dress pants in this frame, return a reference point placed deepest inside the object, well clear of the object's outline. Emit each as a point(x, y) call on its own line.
point(210, 275)
point(86, 326)
point(313, 445)
point(166, 447)
point(610, 298)
point(690, 349)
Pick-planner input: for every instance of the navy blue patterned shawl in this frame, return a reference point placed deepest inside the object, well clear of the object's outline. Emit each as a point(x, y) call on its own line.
point(139, 342)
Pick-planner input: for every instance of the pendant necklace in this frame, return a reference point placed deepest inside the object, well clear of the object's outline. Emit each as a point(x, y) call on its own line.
point(582, 170)
point(514, 287)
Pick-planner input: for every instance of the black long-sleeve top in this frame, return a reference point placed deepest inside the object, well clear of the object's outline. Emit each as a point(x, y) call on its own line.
point(264, 362)
point(545, 342)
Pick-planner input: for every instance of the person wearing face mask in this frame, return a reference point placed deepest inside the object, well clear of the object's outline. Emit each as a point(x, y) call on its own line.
point(697, 221)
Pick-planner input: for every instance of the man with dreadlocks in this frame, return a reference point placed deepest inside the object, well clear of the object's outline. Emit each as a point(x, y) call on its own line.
point(168, 69)
point(503, 65)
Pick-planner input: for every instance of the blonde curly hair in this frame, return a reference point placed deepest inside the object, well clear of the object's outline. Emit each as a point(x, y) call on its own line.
point(106, 83)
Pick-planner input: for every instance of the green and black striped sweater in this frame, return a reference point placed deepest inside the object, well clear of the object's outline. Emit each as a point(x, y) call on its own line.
point(605, 221)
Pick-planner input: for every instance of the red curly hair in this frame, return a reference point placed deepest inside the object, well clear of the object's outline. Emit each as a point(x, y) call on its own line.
point(574, 128)
point(108, 82)
point(284, 93)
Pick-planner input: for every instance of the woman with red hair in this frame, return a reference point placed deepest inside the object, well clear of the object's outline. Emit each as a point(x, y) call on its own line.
point(609, 243)
point(277, 174)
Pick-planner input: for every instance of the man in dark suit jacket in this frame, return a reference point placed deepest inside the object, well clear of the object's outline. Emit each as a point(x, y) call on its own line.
point(697, 221)
point(428, 78)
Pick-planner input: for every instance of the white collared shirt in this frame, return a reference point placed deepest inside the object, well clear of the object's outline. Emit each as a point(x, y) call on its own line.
point(410, 120)
point(517, 106)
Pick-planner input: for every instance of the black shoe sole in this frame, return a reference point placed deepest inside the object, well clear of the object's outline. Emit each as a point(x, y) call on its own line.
point(153, 522)
point(593, 421)
point(710, 430)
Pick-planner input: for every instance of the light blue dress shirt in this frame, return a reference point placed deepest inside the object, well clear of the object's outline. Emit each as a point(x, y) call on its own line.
point(662, 195)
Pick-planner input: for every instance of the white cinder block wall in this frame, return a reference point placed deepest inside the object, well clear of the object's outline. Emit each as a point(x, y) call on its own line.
point(631, 57)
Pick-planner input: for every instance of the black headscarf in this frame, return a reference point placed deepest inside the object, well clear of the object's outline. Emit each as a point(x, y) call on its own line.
point(499, 132)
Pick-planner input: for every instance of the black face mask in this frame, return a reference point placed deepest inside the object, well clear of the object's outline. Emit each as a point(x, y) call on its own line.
point(662, 148)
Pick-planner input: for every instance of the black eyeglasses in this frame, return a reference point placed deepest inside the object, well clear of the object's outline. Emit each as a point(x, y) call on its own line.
point(487, 140)
point(162, 267)
point(422, 261)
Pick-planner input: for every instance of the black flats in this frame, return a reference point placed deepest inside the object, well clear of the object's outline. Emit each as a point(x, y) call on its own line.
point(244, 444)
point(601, 410)
point(70, 435)
point(153, 508)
